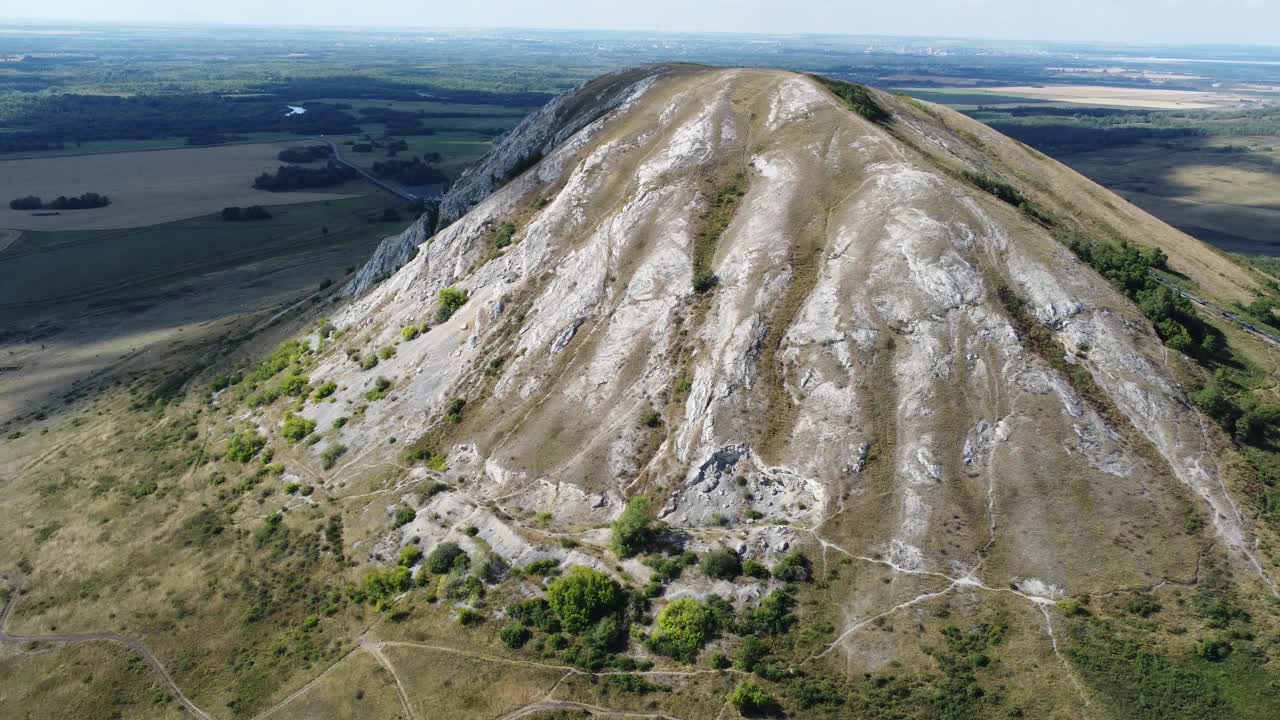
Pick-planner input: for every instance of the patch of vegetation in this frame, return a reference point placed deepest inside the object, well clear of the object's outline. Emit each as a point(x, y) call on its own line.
point(292, 177)
point(682, 628)
point(548, 567)
point(720, 211)
point(297, 427)
point(244, 445)
point(87, 201)
point(409, 332)
point(330, 456)
point(751, 700)
point(1137, 681)
point(504, 235)
point(793, 567)
point(582, 597)
point(722, 564)
point(514, 635)
point(304, 154)
point(635, 530)
point(245, 214)
point(404, 515)
point(445, 557)
point(453, 413)
point(451, 300)
point(381, 387)
point(324, 391)
point(858, 99)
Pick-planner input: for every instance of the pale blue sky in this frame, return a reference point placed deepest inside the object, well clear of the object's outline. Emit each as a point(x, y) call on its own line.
point(1138, 21)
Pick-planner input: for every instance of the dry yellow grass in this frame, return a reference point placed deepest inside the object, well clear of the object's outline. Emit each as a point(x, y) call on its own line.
point(145, 188)
point(83, 682)
point(1123, 97)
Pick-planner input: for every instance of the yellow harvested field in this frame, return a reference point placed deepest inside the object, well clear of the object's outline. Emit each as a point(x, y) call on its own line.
point(1122, 97)
point(145, 188)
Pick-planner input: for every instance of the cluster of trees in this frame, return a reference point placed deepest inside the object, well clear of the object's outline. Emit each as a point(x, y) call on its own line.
point(410, 172)
point(86, 201)
point(304, 154)
point(239, 214)
point(291, 177)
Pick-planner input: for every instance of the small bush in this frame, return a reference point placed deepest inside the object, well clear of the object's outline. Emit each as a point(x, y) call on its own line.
point(324, 391)
point(1143, 604)
point(548, 567)
point(244, 445)
point(514, 635)
point(409, 332)
point(453, 413)
point(536, 612)
point(330, 456)
point(683, 627)
point(505, 234)
point(410, 555)
point(757, 570)
point(468, 617)
point(794, 567)
point(387, 352)
point(381, 387)
point(445, 557)
point(369, 362)
point(752, 700)
point(451, 299)
point(405, 515)
point(722, 564)
point(297, 427)
point(634, 530)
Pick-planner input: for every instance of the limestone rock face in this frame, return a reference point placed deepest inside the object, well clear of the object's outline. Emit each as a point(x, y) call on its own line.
point(857, 372)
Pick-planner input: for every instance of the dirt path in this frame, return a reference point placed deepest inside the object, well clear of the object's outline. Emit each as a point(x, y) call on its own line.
point(541, 705)
point(136, 646)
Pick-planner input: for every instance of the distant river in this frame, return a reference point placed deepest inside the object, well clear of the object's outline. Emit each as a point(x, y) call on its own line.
point(294, 110)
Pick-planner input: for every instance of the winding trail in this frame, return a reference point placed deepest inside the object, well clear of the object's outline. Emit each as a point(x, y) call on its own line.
point(136, 646)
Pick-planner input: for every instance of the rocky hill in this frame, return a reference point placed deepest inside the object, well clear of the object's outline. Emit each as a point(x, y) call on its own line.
point(874, 368)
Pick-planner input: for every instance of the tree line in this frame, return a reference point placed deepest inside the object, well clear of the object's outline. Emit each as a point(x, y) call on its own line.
point(292, 177)
point(86, 201)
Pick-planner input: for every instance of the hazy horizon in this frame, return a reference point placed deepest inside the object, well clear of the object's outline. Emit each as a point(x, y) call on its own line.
point(1138, 22)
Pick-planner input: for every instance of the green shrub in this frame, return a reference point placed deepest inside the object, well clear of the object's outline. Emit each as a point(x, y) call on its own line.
point(583, 596)
point(341, 422)
point(752, 700)
point(794, 567)
point(291, 488)
point(751, 653)
point(683, 627)
point(330, 456)
point(297, 427)
point(504, 235)
point(405, 515)
point(634, 530)
point(380, 584)
point(409, 332)
point(453, 413)
point(548, 567)
point(634, 684)
point(514, 635)
point(722, 564)
point(381, 387)
point(410, 555)
point(1143, 604)
point(324, 391)
point(369, 362)
point(387, 352)
point(445, 557)
point(536, 612)
point(451, 299)
point(294, 385)
point(773, 614)
point(757, 570)
point(244, 444)
point(468, 617)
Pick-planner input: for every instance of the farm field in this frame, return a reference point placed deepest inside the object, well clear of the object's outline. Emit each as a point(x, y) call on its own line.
point(98, 147)
point(145, 188)
point(1156, 99)
point(1225, 191)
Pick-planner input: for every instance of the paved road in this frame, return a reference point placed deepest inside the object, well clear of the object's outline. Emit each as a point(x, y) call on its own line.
point(75, 638)
point(393, 189)
point(1248, 327)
